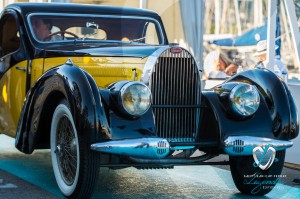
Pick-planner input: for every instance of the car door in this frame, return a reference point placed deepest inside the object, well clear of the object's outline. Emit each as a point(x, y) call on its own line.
point(13, 72)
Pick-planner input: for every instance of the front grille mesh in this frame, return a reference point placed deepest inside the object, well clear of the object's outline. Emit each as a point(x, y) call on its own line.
point(176, 91)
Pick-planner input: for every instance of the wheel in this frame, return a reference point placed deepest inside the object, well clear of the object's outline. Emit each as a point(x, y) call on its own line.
point(75, 166)
point(250, 179)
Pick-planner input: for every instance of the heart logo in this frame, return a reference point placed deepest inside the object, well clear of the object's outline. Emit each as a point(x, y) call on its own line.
point(264, 157)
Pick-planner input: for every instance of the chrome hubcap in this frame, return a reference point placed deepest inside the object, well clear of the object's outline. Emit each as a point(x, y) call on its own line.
point(58, 150)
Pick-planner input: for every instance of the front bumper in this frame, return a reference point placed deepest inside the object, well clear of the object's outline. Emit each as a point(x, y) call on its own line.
point(244, 145)
point(157, 148)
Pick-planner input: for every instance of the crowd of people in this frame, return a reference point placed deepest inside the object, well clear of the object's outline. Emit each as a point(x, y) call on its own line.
point(218, 66)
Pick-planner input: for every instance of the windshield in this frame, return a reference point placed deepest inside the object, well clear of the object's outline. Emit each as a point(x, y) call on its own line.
point(55, 28)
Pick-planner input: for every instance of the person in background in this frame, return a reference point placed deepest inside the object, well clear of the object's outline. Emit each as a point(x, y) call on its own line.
point(261, 53)
point(42, 29)
point(217, 66)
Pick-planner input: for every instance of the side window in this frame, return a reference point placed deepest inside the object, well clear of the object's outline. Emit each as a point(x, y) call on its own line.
point(151, 34)
point(9, 36)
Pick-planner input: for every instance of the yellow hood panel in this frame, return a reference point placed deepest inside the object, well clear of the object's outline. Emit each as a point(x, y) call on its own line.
point(105, 70)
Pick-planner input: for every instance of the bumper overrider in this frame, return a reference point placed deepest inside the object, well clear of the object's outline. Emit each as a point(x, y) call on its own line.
point(156, 148)
point(150, 148)
point(244, 145)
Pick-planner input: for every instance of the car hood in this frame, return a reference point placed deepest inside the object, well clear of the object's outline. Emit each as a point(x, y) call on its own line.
point(138, 51)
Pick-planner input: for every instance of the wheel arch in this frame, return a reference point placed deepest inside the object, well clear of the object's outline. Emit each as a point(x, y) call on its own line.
point(42, 140)
point(63, 82)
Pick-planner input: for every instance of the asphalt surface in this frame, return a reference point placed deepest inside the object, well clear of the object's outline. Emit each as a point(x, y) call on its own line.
point(31, 176)
point(13, 187)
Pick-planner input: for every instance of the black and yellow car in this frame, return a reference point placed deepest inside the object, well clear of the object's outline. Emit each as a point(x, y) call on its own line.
point(102, 87)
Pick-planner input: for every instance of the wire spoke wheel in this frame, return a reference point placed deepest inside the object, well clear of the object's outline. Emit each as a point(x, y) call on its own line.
point(75, 166)
point(66, 152)
point(64, 149)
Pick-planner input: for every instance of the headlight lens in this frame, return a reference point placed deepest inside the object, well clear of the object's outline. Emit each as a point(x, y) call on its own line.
point(136, 98)
point(244, 99)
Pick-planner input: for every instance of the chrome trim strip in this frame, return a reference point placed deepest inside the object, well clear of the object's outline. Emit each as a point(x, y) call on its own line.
point(148, 148)
point(244, 145)
point(150, 63)
point(182, 147)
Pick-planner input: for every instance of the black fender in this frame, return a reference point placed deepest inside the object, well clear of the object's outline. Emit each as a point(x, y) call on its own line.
point(63, 82)
point(275, 118)
point(124, 126)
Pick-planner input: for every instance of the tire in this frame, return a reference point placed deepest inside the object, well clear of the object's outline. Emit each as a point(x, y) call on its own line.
point(75, 166)
point(252, 180)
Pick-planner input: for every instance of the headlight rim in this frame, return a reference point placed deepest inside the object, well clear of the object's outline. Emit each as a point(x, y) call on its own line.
point(232, 103)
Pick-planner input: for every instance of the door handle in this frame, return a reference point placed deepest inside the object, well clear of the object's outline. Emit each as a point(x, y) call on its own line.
point(21, 68)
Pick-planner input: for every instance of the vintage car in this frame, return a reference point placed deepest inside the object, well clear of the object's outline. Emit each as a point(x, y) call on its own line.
point(102, 87)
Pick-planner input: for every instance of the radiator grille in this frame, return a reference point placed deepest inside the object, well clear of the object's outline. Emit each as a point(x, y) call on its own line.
point(176, 91)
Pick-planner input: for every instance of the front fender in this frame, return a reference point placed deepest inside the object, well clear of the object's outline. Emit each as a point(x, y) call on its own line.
point(63, 82)
point(275, 118)
point(280, 103)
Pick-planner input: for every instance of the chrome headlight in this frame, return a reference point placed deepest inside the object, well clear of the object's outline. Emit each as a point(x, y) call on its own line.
point(244, 99)
point(136, 98)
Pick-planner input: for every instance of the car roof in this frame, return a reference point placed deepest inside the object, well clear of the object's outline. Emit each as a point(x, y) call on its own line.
point(27, 8)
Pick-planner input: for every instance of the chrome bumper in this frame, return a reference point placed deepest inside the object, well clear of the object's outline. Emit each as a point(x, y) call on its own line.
point(244, 145)
point(149, 148)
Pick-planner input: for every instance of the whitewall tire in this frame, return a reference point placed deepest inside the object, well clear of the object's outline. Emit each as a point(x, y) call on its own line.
point(64, 149)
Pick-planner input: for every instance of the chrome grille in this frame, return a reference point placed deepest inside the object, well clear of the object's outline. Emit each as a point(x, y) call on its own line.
point(176, 91)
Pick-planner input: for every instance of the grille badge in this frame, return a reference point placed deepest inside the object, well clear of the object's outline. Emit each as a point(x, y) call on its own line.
point(176, 50)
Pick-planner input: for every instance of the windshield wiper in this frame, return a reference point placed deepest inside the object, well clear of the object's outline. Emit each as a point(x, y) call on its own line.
point(138, 40)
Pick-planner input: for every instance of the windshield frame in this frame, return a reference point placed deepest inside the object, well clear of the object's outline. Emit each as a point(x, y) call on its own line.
point(159, 29)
